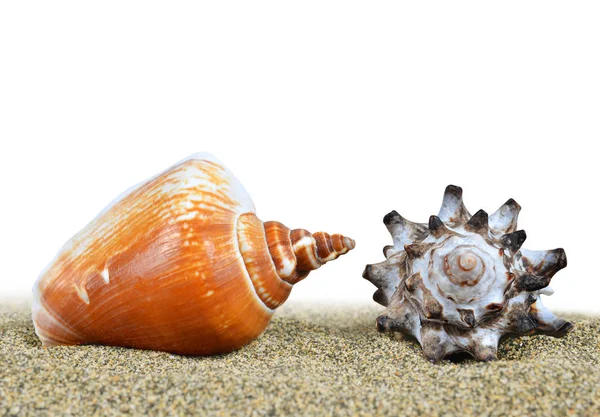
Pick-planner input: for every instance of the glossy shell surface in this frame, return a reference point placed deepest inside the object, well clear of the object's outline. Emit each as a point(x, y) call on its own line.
point(179, 263)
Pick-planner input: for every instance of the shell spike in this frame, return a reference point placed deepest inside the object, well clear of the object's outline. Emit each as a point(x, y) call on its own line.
point(400, 317)
point(453, 209)
point(478, 223)
point(504, 220)
point(393, 217)
point(437, 227)
point(386, 323)
point(385, 276)
point(548, 322)
point(530, 282)
point(403, 231)
point(513, 241)
point(543, 262)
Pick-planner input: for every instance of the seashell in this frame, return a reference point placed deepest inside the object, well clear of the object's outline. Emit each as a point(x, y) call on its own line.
point(178, 263)
point(461, 282)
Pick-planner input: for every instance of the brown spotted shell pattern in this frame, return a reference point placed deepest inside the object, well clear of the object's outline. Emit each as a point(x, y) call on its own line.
point(461, 282)
point(179, 263)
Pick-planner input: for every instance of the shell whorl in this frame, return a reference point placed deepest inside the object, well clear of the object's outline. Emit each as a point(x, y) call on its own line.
point(277, 258)
point(297, 252)
point(464, 266)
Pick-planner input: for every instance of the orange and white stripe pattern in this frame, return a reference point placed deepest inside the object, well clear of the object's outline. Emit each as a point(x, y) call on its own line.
point(179, 263)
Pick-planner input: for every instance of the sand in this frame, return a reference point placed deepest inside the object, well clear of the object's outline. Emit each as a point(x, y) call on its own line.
point(312, 360)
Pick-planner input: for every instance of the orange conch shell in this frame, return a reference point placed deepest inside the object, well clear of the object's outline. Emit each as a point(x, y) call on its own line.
point(179, 263)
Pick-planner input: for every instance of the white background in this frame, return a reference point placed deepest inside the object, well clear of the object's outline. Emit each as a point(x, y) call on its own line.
point(331, 114)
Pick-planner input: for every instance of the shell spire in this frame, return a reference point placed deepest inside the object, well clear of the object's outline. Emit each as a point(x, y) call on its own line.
point(297, 252)
point(461, 282)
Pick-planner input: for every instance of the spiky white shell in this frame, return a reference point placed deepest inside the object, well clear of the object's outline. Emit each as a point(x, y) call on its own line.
point(461, 282)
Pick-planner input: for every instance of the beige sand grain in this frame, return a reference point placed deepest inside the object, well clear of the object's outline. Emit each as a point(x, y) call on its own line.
point(312, 360)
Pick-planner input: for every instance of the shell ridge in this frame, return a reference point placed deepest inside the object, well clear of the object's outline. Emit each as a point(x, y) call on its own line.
point(245, 269)
point(41, 312)
point(281, 248)
point(259, 264)
point(272, 262)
